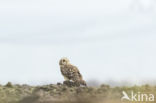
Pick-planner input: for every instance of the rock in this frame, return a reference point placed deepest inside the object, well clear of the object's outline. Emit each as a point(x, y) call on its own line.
point(9, 84)
point(71, 84)
point(59, 83)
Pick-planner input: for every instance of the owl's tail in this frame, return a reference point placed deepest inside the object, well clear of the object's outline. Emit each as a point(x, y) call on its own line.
point(82, 82)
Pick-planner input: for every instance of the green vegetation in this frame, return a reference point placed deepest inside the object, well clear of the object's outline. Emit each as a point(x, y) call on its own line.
point(64, 94)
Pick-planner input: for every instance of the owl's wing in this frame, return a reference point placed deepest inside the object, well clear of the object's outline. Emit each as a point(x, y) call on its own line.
point(78, 72)
point(74, 73)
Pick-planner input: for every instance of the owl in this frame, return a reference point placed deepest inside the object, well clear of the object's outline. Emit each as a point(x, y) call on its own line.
point(70, 72)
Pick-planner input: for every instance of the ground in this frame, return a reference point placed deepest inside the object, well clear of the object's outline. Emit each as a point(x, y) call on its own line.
point(64, 93)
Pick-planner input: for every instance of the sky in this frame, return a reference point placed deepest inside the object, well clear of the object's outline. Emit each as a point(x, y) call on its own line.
point(111, 40)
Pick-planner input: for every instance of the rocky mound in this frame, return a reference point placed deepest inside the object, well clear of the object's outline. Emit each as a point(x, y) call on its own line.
point(62, 93)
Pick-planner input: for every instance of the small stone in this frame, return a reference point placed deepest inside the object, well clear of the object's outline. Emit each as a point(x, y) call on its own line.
point(59, 83)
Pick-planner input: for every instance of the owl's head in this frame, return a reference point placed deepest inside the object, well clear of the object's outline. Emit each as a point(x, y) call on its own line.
point(64, 61)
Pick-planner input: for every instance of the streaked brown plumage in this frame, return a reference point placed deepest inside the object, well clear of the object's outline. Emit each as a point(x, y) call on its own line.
point(70, 72)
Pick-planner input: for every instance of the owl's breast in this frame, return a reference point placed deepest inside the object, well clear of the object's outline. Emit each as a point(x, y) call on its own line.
point(64, 72)
point(67, 73)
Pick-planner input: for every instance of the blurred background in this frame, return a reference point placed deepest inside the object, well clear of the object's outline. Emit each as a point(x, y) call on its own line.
point(110, 41)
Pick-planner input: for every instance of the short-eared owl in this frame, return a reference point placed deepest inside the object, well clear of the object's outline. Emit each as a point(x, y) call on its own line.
point(70, 72)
